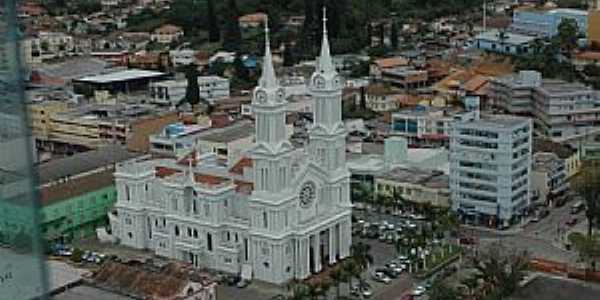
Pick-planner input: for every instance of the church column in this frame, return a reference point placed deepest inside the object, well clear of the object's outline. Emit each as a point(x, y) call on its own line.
point(331, 234)
point(306, 246)
point(317, 252)
point(345, 239)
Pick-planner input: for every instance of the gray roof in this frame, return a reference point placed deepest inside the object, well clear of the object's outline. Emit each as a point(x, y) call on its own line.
point(229, 134)
point(83, 162)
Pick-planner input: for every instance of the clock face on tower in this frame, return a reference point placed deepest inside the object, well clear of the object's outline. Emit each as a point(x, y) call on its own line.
point(261, 97)
point(307, 194)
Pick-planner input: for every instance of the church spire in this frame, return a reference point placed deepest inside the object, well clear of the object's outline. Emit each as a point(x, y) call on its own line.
point(325, 61)
point(268, 79)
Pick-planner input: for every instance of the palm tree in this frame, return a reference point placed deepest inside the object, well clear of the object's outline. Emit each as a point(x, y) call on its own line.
point(471, 283)
point(502, 269)
point(337, 276)
point(351, 270)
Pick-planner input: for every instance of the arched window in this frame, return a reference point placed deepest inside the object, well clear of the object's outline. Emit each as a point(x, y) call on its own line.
point(176, 230)
point(127, 193)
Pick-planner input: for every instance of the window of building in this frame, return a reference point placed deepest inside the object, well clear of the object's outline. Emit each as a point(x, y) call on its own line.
point(176, 230)
point(195, 233)
point(127, 193)
point(209, 241)
point(265, 220)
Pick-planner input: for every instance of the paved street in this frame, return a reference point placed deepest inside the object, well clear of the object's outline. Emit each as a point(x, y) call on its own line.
point(540, 239)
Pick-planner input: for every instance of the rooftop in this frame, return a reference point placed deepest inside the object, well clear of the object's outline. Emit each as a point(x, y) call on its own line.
point(125, 75)
point(545, 145)
point(83, 162)
point(428, 178)
point(497, 122)
point(231, 133)
point(509, 37)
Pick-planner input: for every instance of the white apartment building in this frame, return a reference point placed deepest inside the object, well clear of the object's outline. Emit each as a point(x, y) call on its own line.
point(287, 219)
point(211, 88)
point(490, 165)
point(561, 110)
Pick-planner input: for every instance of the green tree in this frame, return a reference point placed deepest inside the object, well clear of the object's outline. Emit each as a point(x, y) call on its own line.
point(589, 188)
point(588, 247)
point(441, 291)
point(337, 277)
point(567, 35)
point(214, 33)
point(192, 90)
point(77, 255)
point(298, 290)
point(232, 34)
point(394, 35)
point(288, 56)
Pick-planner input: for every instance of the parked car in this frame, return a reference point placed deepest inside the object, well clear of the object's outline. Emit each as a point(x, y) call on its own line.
point(365, 289)
point(381, 277)
point(243, 283)
point(418, 291)
point(571, 222)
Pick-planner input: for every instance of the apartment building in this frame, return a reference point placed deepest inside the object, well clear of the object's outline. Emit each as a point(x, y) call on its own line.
point(490, 165)
point(382, 98)
point(423, 125)
point(211, 88)
point(561, 110)
point(40, 116)
point(544, 23)
point(549, 182)
point(167, 34)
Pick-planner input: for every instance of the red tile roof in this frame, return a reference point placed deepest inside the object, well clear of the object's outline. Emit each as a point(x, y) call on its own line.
point(209, 179)
point(163, 172)
point(238, 168)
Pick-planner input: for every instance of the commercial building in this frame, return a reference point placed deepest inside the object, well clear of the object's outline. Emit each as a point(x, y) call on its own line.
point(91, 126)
point(544, 23)
point(76, 193)
point(171, 92)
point(570, 156)
point(594, 25)
point(406, 78)
point(415, 185)
point(562, 110)
point(504, 42)
point(287, 221)
point(117, 82)
point(490, 166)
point(549, 182)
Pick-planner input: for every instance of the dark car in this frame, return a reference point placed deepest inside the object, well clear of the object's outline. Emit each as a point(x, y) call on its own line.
point(571, 222)
point(388, 272)
point(232, 280)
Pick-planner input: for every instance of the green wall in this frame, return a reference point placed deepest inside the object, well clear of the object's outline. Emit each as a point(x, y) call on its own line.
point(66, 220)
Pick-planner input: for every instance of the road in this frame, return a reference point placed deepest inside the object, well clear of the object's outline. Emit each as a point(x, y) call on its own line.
point(540, 239)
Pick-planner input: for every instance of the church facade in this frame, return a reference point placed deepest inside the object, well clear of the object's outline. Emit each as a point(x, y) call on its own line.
point(285, 218)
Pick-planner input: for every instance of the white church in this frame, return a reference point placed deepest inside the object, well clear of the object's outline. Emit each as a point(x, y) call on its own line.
point(283, 214)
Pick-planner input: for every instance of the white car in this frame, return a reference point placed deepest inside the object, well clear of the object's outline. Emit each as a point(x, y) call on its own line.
point(418, 291)
point(378, 276)
point(366, 291)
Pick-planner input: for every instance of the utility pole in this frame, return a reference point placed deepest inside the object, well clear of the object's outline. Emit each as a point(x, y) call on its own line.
point(484, 15)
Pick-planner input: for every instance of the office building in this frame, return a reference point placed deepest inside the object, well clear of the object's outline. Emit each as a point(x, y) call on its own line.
point(490, 165)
